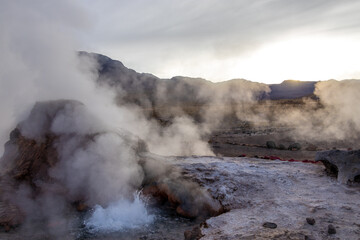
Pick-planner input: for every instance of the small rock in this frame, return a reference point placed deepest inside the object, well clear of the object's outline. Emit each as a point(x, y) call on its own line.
point(331, 229)
point(282, 147)
point(270, 144)
point(270, 225)
point(193, 234)
point(294, 147)
point(310, 221)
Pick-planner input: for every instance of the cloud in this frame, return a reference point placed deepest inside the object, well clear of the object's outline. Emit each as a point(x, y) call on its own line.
point(210, 39)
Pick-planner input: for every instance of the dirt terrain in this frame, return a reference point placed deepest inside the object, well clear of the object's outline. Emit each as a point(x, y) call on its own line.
point(239, 186)
point(248, 133)
point(251, 142)
point(274, 200)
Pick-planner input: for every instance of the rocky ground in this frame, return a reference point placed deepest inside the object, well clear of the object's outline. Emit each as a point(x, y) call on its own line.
point(251, 141)
point(274, 200)
point(250, 197)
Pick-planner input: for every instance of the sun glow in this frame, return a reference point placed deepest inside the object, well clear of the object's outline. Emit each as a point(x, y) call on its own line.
point(306, 59)
point(303, 59)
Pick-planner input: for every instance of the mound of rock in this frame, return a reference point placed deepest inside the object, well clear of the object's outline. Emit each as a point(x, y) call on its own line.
point(61, 157)
point(345, 165)
point(166, 184)
point(42, 161)
point(186, 198)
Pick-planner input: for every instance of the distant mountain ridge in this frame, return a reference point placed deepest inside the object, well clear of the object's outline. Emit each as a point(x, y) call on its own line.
point(290, 89)
point(139, 87)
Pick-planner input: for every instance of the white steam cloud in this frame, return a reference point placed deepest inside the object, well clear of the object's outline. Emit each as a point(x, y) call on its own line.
point(98, 160)
point(98, 142)
point(334, 118)
point(120, 215)
point(39, 62)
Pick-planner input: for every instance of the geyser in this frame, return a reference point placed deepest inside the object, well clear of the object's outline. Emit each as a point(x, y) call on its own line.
point(62, 156)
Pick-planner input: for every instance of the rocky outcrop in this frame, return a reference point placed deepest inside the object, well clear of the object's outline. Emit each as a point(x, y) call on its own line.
point(168, 186)
point(59, 152)
point(345, 165)
point(28, 165)
point(185, 197)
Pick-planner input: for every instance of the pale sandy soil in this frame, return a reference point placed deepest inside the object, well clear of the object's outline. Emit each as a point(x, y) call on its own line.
point(286, 193)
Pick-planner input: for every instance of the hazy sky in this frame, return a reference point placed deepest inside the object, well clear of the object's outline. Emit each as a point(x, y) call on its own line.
point(263, 40)
point(260, 40)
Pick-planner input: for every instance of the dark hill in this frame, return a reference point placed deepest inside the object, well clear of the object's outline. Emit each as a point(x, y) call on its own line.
point(290, 89)
point(148, 90)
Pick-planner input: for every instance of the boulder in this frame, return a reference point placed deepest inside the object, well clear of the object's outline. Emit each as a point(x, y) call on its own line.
point(345, 165)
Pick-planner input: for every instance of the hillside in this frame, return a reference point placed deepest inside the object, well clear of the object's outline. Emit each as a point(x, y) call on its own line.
point(146, 89)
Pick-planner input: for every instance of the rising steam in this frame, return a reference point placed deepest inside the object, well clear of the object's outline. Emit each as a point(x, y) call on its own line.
point(98, 139)
point(333, 117)
point(98, 162)
point(120, 215)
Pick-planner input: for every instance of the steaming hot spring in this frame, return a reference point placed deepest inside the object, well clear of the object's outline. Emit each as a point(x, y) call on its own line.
point(67, 175)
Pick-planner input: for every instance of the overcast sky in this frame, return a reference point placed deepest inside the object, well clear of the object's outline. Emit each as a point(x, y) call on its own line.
point(262, 40)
